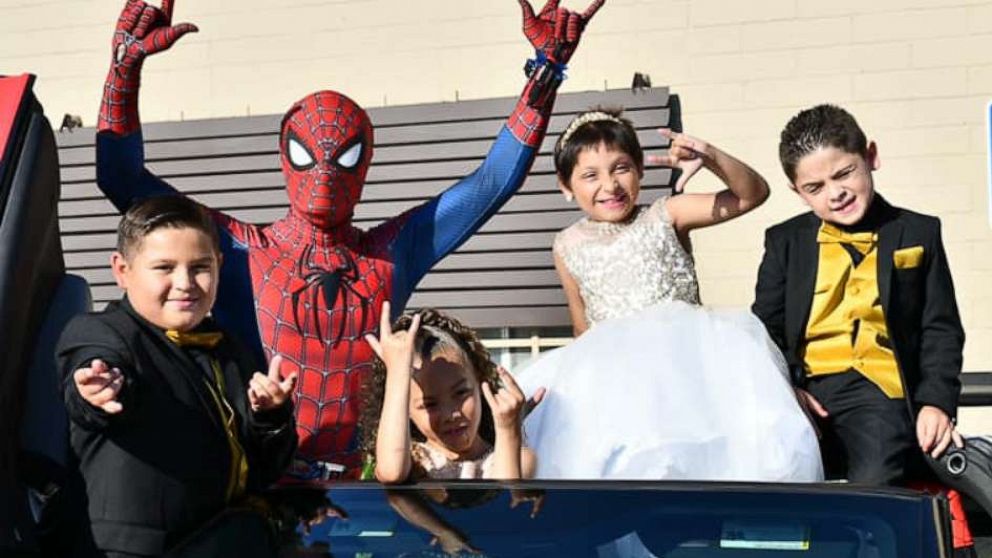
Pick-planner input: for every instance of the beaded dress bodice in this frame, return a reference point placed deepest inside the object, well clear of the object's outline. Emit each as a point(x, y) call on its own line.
point(622, 268)
point(438, 466)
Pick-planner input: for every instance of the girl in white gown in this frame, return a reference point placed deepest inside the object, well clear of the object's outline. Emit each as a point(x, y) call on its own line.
point(656, 386)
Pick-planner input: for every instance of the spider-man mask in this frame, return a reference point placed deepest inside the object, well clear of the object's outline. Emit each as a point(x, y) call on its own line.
point(325, 147)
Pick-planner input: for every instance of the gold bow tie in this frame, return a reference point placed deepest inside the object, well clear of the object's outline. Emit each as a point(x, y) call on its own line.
point(863, 241)
point(207, 340)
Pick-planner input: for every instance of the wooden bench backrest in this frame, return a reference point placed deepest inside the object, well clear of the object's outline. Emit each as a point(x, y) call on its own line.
point(502, 276)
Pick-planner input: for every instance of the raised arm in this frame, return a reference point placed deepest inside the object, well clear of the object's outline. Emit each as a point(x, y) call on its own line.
point(507, 406)
point(142, 30)
point(746, 189)
point(392, 445)
point(438, 227)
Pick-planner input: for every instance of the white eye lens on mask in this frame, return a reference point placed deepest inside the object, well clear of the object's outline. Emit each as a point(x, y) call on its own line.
point(350, 158)
point(298, 155)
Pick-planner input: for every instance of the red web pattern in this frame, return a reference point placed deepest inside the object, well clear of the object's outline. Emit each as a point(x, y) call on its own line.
point(141, 30)
point(324, 344)
point(529, 123)
point(327, 124)
point(319, 283)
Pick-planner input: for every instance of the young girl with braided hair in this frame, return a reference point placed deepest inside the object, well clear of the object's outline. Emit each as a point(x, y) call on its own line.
point(656, 386)
point(438, 407)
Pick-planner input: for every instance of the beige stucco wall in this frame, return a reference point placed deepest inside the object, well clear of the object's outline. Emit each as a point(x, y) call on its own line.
point(917, 73)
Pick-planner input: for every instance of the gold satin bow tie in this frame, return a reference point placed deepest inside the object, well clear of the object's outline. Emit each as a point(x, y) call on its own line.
point(863, 241)
point(207, 340)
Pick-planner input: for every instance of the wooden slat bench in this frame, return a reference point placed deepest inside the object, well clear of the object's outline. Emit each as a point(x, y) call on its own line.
point(502, 276)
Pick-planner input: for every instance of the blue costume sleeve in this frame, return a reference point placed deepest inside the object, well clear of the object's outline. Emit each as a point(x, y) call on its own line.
point(123, 178)
point(121, 172)
point(440, 226)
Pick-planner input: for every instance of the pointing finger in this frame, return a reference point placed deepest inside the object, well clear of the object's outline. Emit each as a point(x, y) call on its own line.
point(274, 366)
point(487, 392)
point(414, 326)
point(592, 9)
point(385, 329)
point(528, 10)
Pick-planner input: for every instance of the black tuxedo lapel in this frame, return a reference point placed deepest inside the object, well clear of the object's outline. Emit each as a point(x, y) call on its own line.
point(889, 239)
point(181, 373)
point(234, 385)
point(191, 377)
point(805, 265)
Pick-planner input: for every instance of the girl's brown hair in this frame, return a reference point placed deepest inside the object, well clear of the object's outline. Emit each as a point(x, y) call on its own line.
point(437, 332)
point(616, 133)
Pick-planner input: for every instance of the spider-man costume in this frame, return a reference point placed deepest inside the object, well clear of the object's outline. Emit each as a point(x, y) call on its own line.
point(315, 282)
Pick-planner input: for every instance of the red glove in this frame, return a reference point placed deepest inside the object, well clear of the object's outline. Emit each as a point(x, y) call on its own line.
point(556, 31)
point(141, 30)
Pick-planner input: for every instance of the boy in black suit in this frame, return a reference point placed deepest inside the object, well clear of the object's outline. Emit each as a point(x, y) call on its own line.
point(167, 421)
point(858, 295)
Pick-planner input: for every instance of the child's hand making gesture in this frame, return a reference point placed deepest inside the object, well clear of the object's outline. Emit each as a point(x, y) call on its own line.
point(395, 349)
point(99, 384)
point(267, 392)
point(746, 189)
point(686, 153)
point(511, 459)
point(392, 453)
point(507, 403)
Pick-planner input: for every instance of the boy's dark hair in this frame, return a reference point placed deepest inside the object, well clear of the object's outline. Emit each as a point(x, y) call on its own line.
point(619, 136)
point(820, 126)
point(174, 212)
point(437, 333)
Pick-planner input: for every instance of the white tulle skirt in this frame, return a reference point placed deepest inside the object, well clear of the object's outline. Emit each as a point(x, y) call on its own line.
point(674, 392)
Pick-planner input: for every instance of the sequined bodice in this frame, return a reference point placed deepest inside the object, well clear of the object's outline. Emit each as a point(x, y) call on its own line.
point(622, 268)
point(438, 466)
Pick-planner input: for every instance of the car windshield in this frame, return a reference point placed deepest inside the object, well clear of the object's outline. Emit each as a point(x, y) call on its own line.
point(663, 520)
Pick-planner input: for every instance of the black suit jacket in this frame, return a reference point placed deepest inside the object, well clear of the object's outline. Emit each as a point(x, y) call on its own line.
point(160, 468)
point(920, 310)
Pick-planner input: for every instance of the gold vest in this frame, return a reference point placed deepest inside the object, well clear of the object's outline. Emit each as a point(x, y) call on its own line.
point(846, 328)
